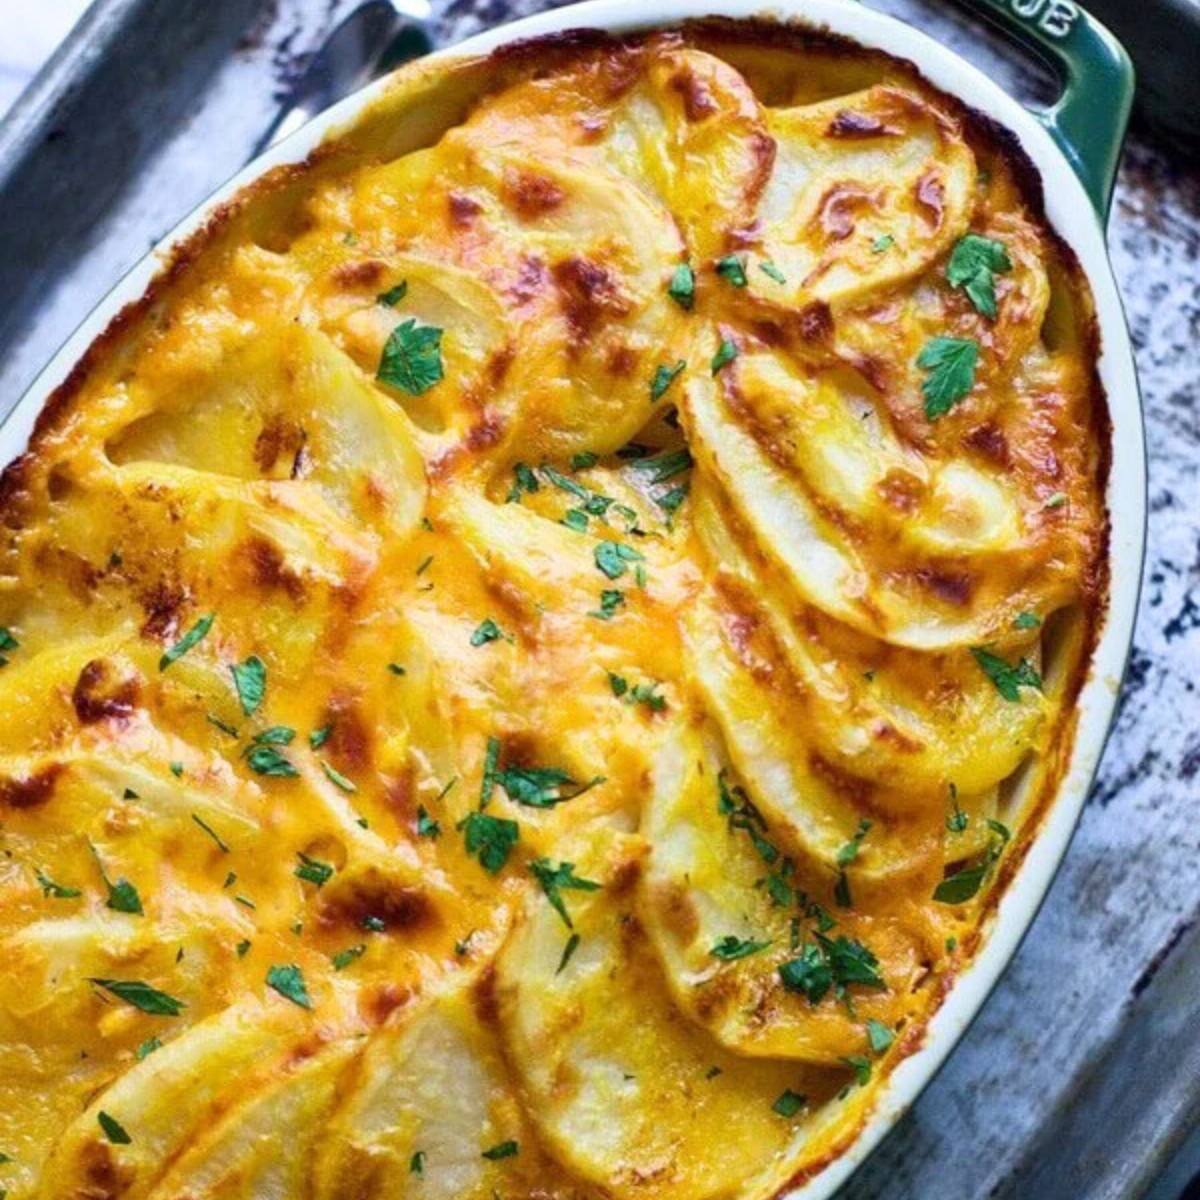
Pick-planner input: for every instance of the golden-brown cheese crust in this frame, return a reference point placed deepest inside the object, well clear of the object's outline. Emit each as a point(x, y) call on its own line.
point(751, 655)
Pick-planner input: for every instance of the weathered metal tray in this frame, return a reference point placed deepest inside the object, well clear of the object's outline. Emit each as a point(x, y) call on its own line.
point(1081, 1077)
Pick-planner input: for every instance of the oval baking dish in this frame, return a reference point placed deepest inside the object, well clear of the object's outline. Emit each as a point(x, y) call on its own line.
point(1063, 160)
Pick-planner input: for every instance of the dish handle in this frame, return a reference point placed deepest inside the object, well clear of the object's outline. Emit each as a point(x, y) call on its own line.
point(1089, 119)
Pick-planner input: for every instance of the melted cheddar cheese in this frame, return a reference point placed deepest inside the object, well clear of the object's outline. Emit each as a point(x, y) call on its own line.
point(529, 656)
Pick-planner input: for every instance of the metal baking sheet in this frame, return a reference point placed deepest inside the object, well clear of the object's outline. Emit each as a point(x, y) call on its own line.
point(1081, 1076)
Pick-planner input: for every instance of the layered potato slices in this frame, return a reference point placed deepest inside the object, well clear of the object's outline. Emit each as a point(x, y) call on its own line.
point(527, 659)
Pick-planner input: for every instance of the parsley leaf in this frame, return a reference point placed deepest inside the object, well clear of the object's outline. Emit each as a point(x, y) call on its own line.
point(123, 897)
point(338, 779)
point(568, 950)
point(524, 480)
point(583, 460)
point(963, 885)
point(312, 870)
point(883, 242)
point(503, 1150)
point(142, 996)
point(318, 737)
point(416, 1164)
point(1008, 679)
point(412, 358)
point(663, 378)
point(610, 600)
point(576, 519)
point(486, 631)
point(789, 1103)
point(147, 1048)
point(670, 501)
point(264, 759)
point(553, 879)
point(250, 679)
point(56, 890)
point(851, 962)
point(393, 295)
point(185, 643)
point(950, 363)
point(666, 466)
point(1026, 620)
point(809, 973)
point(849, 852)
point(288, 981)
point(732, 269)
point(879, 1036)
point(491, 839)
point(731, 947)
point(613, 558)
point(727, 351)
point(539, 787)
point(491, 760)
point(113, 1130)
point(427, 827)
point(974, 265)
point(7, 643)
point(343, 958)
point(277, 735)
point(682, 288)
point(861, 1067)
point(212, 833)
point(771, 271)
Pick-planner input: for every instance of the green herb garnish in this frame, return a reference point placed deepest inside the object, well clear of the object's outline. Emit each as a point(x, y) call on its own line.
point(1008, 679)
point(185, 643)
point(288, 981)
point(974, 265)
point(950, 363)
point(553, 879)
point(250, 680)
point(142, 996)
point(412, 358)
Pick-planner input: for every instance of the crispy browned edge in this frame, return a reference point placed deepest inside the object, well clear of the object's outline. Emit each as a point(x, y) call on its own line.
point(555, 51)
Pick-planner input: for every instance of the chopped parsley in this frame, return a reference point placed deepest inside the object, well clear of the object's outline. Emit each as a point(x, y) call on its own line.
point(826, 962)
point(393, 295)
point(554, 879)
point(583, 460)
point(338, 779)
point(789, 1103)
point(502, 1150)
point(879, 1036)
point(212, 833)
point(7, 644)
point(264, 759)
point(416, 1164)
point(56, 891)
point(427, 827)
point(727, 351)
point(524, 481)
point(883, 242)
point(277, 735)
point(147, 1048)
point(861, 1066)
point(662, 467)
point(849, 852)
point(950, 365)
point(113, 1129)
point(1008, 679)
point(809, 973)
point(185, 643)
point(487, 631)
point(664, 376)
point(412, 358)
point(670, 500)
point(771, 271)
point(974, 264)
point(731, 947)
point(312, 870)
point(613, 558)
point(1026, 620)
point(568, 950)
point(610, 600)
point(732, 268)
point(288, 981)
point(576, 519)
point(343, 958)
point(490, 839)
point(491, 760)
point(963, 885)
point(123, 897)
point(682, 288)
point(250, 680)
point(318, 737)
point(141, 996)
point(540, 787)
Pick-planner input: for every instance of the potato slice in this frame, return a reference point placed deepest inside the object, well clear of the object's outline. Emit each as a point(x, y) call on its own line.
point(704, 888)
point(290, 405)
point(622, 1090)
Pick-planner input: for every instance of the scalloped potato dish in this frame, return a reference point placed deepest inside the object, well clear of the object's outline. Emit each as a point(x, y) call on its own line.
point(529, 657)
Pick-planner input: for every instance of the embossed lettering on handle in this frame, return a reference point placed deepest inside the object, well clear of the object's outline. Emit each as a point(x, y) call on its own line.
point(1090, 117)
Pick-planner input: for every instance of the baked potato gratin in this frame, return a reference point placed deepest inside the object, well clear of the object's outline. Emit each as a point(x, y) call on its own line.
point(529, 655)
